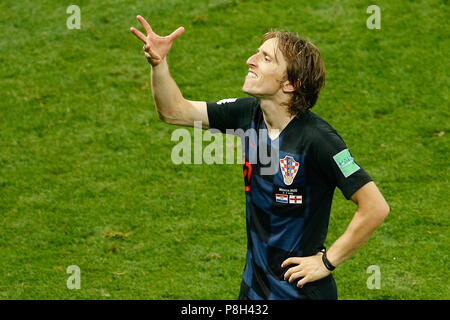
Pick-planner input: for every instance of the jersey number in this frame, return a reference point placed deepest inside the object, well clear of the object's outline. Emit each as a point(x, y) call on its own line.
point(247, 174)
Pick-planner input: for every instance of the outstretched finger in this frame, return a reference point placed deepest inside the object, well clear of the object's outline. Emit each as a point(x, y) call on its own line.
point(145, 24)
point(139, 34)
point(176, 33)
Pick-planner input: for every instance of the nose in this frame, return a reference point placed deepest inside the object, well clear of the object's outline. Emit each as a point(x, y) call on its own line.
point(251, 61)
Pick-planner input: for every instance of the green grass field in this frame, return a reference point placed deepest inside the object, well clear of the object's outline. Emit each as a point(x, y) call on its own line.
point(86, 176)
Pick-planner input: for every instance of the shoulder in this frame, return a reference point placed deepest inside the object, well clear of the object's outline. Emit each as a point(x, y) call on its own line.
point(322, 138)
point(232, 113)
point(239, 101)
point(317, 128)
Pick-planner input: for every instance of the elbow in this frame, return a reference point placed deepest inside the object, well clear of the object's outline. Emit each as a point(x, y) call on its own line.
point(375, 213)
point(171, 114)
point(385, 212)
point(382, 211)
point(385, 209)
point(165, 117)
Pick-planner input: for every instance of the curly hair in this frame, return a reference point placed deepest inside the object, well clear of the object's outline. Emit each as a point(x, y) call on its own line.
point(305, 69)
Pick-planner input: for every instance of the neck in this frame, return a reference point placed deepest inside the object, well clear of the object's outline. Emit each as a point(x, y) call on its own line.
point(276, 117)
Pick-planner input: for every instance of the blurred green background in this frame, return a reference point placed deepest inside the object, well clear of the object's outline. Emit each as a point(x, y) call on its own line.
point(86, 176)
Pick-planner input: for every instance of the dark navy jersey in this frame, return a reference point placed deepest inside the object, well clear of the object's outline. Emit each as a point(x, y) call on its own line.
point(288, 199)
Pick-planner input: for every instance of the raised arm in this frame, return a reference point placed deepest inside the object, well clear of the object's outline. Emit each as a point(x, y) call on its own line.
point(170, 104)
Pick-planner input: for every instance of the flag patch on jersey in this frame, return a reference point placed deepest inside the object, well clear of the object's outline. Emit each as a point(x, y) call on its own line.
point(346, 163)
point(283, 198)
point(295, 199)
point(289, 168)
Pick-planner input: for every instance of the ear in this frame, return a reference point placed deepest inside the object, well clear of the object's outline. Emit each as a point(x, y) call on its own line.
point(288, 87)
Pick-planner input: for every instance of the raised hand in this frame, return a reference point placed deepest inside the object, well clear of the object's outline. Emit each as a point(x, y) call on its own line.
point(155, 46)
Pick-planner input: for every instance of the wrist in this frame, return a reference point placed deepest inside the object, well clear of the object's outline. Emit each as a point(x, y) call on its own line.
point(159, 65)
point(326, 262)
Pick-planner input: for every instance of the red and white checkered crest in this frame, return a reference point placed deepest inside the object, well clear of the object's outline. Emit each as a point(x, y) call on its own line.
point(289, 168)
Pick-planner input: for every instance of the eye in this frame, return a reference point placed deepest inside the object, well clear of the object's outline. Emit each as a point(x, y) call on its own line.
point(267, 58)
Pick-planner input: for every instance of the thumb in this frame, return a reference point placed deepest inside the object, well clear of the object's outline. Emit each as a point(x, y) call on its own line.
point(176, 33)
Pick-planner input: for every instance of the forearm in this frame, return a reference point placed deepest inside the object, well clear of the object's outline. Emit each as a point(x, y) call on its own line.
point(363, 224)
point(166, 94)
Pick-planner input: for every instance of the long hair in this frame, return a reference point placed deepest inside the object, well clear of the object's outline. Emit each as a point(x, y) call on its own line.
point(305, 69)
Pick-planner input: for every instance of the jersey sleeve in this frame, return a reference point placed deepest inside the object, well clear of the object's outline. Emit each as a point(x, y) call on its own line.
point(338, 164)
point(233, 113)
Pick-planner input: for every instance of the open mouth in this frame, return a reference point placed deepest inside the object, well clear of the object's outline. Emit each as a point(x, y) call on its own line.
point(251, 74)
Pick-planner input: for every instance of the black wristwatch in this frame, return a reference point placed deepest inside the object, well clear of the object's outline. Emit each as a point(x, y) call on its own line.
point(325, 260)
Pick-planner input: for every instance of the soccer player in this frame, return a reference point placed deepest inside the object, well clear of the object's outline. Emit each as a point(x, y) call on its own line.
point(287, 210)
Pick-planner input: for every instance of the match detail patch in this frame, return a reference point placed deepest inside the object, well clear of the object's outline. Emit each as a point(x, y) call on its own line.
point(346, 163)
point(288, 195)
